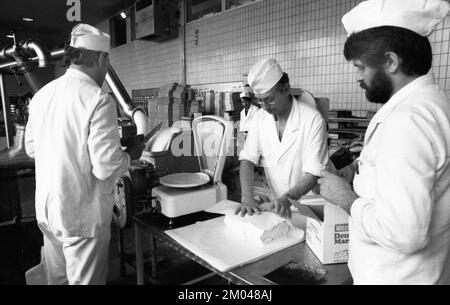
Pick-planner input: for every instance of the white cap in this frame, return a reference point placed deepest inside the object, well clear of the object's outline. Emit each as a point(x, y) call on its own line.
point(264, 75)
point(420, 16)
point(85, 36)
point(248, 92)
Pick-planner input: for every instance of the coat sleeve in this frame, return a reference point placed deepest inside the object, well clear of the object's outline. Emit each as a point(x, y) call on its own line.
point(315, 155)
point(107, 158)
point(405, 169)
point(251, 150)
point(29, 140)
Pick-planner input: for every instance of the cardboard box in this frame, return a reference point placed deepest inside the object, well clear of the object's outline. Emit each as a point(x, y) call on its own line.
point(326, 229)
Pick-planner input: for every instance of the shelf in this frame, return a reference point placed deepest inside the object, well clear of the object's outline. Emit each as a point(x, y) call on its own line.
point(354, 131)
point(348, 120)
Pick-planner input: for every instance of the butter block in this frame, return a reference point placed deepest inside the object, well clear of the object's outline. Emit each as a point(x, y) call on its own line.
point(262, 228)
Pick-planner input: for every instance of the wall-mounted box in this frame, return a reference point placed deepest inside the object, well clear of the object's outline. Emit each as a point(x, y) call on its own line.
point(156, 19)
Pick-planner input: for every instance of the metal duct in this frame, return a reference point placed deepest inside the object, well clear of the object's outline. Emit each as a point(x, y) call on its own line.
point(113, 81)
point(137, 114)
point(119, 91)
point(42, 53)
point(24, 50)
point(14, 157)
point(57, 54)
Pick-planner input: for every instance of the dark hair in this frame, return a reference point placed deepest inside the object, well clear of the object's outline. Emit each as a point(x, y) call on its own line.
point(81, 57)
point(284, 80)
point(371, 45)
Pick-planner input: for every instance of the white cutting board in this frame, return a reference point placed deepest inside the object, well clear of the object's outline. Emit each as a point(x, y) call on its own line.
point(223, 249)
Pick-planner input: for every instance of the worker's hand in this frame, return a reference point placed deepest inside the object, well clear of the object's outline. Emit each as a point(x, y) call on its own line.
point(336, 190)
point(248, 206)
point(267, 206)
point(135, 147)
point(282, 207)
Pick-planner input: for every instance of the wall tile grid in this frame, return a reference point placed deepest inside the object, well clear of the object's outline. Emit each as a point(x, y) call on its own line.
point(144, 64)
point(306, 37)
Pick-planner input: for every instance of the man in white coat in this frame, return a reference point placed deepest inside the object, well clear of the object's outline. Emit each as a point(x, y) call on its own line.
point(249, 109)
point(72, 134)
point(288, 138)
point(400, 201)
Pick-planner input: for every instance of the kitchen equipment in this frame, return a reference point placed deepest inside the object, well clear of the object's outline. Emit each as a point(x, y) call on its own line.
point(133, 189)
point(186, 193)
point(184, 180)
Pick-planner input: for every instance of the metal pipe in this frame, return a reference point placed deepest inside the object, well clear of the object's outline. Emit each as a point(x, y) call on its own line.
point(42, 54)
point(137, 114)
point(38, 77)
point(7, 53)
point(20, 52)
point(57, 54)
point(119, 91)
point(111, 79)
point(6, 113)
point(183, 42)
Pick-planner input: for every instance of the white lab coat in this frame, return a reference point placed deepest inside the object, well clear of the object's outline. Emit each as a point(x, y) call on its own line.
point(400, 226)
point(303, 148)
point(246, 119)
point(73, 135)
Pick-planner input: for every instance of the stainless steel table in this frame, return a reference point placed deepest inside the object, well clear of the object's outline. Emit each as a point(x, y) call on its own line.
point(250, 274)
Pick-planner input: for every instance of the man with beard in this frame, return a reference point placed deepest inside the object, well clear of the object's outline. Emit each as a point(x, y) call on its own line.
point(400, 201)
point(288, 137)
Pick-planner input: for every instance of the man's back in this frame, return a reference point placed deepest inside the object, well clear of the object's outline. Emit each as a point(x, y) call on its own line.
point(74, 135)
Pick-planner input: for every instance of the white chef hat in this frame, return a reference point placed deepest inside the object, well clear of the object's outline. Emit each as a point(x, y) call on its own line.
point(248, 93)
point(85, 36)
point(420, 16)
point(264, 75)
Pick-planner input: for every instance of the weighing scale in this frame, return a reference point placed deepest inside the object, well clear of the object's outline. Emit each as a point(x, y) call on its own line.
point(186, 193)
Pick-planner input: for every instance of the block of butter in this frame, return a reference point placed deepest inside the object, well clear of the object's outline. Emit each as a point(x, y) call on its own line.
point(262, 228)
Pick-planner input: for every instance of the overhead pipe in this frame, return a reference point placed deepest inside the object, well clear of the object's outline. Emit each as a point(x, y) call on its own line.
point(119, 91)
point(57, 54)
point(6, 113)
point(137, 114)
point(111, 79)
point(42, 54)
point(14, 158)
point(24, 50)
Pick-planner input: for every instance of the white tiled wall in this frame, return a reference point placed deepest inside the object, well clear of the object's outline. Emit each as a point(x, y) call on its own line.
point(142, 64)
point(305, 36)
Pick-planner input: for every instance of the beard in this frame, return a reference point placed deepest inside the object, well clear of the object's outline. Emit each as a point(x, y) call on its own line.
point(380, 89)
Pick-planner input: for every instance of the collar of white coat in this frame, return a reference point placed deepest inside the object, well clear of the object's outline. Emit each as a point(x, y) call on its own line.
point(399, 96)
point(252, 109)
point(73, 72)
point(293, 122)
point(291, 131)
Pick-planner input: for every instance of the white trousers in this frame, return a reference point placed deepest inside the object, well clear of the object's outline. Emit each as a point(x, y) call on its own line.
point(76, 260)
